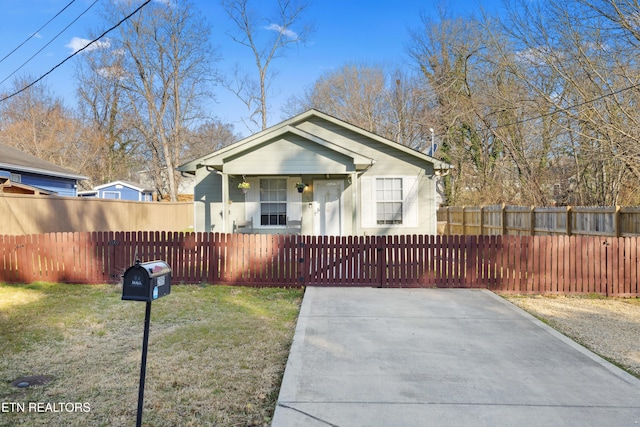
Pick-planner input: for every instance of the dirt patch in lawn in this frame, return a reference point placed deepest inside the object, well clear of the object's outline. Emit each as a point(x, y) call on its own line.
point(609, 327)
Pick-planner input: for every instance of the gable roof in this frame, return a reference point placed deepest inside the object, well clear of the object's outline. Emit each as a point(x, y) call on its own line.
point(216, 158)
point(130, 184)
point(14, 159)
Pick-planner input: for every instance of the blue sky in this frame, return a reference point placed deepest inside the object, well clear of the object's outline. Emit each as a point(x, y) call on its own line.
point(346, 31)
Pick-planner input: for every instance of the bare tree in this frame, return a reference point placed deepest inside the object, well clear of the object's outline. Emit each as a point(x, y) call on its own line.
point(389, 104)
point(538, 106)
point(164, 75)
point(593, 95)
point(101, 104)
point(210, 136)
point(267, 38)
point(452, 56)
point(410, 118)
point(37, 122)
point(354, 93)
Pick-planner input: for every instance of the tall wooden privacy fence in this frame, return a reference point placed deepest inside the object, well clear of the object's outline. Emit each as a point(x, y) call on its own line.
point(613, 221)
point(520, 264)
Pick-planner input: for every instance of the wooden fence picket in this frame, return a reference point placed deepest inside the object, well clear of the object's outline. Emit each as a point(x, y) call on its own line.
point(527, 264)
point(11, 260)
point(470, 243)
point(3, 259)
point(632, 263)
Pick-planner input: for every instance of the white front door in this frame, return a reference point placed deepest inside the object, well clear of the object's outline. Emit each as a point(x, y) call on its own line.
point(328, 207)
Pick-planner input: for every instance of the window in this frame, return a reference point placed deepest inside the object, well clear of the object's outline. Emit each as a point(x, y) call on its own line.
point(389, 201)
point(16, 177)
point(273, 201)
point(111, 195)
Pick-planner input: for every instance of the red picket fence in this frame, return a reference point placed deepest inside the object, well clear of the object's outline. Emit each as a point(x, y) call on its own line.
point(518, 264)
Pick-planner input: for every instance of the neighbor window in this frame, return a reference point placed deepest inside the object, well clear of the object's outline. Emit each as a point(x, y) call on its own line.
point(273, 201)
point(111, 195)
point(388, 201)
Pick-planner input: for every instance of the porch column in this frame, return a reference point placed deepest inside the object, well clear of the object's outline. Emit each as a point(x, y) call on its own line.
point(355, 211)
point(225, 201)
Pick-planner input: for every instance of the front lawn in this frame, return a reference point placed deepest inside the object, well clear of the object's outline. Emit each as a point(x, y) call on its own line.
point(216, 355)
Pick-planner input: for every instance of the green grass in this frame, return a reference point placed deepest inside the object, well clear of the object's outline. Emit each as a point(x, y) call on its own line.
point(216, 353)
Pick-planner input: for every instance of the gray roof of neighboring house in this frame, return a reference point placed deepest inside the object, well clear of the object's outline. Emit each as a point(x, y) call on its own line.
point(14, 159)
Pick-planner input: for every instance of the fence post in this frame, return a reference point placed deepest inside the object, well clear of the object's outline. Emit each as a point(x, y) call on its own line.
point(616, 222)
point(532, 221)
point(447, 228)
point(464, 223)
point(303, 260)
point(569, 224)
point(481, 220)
point(503, 219)
point(381, 254)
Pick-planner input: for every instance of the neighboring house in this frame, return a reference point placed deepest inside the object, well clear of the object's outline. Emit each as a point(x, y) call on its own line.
point(6, 186)
point(355, 182)
point(23, 173)
point(185, 183)
point(88, 193)
point(120, 190)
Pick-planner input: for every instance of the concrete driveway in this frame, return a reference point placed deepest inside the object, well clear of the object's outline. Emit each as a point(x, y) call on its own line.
point(442, 357)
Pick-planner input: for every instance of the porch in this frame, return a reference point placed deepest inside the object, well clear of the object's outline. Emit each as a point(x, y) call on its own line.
point(314, 205)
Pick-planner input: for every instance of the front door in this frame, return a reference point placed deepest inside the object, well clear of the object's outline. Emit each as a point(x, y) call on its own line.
point(328, 207)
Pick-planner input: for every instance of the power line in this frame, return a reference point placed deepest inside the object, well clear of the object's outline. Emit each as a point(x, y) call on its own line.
point(566, 109)
point(51, 41)
point(36, 32)
point(76, 52)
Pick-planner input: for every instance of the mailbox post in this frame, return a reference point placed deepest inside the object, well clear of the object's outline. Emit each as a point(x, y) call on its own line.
point(145, 282)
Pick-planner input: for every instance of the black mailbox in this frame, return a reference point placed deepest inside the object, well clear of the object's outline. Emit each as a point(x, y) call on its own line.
point(146, 281)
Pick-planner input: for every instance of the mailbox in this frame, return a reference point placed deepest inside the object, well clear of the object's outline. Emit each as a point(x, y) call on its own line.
point(146, 281)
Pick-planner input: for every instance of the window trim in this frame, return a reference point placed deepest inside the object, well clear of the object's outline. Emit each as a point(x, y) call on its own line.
point(410, 197)
point(391, 201)
point(116, 193)
point(252, 201)
point(260, 202)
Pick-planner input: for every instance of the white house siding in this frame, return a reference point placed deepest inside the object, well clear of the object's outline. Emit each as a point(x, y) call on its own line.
point(419, 218)
point(288, 156)
point(208, 201)
point(317, 148)
point(388, 162)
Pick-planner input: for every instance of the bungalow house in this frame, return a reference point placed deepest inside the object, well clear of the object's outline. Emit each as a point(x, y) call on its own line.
point(316, 175)
point(26, 174)
point(120, 190)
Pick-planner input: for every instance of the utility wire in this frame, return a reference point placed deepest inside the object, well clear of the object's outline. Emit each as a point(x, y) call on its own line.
point(51, 41)
point(566, 109)
point(77, 52)
point(37, 31)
